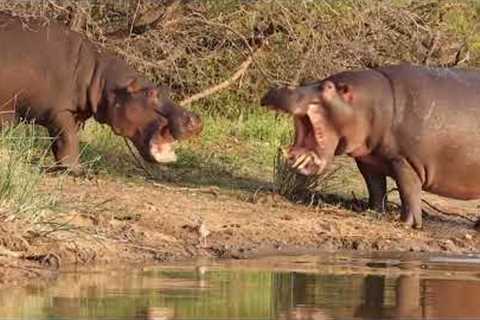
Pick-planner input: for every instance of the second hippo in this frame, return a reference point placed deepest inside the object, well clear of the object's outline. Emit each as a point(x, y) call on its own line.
point(418, 125)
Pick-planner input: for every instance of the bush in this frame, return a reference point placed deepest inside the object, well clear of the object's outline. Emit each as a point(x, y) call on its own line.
point(191, 45)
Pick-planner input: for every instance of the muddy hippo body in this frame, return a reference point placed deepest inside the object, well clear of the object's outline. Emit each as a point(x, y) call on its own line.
point(420, 126)
point(57, 78)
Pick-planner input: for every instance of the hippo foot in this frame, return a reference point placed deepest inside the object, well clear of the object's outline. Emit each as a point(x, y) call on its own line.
point(58, 169)
point(410, 222)
point(409, 227)
point(380, 209)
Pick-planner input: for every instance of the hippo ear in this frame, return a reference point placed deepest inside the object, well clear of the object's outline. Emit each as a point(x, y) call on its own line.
point(333, 95)
point(345, 91)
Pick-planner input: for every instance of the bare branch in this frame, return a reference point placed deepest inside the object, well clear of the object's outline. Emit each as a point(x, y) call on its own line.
point(221, 86)
point(431, 50)
point(78, 18)
point(458, 57)
point(149, 19)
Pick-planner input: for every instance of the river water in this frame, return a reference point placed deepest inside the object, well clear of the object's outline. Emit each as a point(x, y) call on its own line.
point(333, 286)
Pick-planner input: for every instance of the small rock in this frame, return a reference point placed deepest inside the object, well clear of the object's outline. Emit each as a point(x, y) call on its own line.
point(358, 245)
point(376, 245)
point(448, 245)
point(468, 236)
point(286, 217)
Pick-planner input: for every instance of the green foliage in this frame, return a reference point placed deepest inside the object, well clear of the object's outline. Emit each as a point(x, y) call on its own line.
point(22, 159)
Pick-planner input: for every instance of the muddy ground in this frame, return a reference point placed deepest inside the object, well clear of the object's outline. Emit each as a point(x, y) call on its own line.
point(107, 220)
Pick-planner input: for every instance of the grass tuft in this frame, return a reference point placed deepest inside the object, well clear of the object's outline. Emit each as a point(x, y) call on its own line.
point(23, 153)
point(300, 188)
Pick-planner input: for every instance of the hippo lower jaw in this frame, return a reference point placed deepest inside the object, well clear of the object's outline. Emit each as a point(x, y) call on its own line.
point(305, 155)
point(162, 153)
point(306, 162)
point(161, 144)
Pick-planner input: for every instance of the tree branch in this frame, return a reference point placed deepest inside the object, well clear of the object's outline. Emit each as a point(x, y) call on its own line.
point(223, 85)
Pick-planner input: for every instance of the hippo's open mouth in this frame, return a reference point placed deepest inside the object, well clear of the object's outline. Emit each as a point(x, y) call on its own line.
point(305, 153)
point(316, 140)
point(161, 146)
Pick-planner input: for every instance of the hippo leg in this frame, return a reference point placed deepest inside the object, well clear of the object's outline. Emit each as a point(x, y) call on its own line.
point(410, 188)
point(65, 144)
point(376, 185)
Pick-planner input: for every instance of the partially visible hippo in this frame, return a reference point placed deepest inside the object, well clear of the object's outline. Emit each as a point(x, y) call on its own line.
point(57, 78)
point(420, 126)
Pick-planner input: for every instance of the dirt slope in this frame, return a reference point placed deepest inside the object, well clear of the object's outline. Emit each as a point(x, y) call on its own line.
point(108, 221)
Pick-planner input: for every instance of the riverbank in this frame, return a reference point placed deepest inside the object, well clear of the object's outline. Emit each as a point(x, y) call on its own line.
point(109, 221)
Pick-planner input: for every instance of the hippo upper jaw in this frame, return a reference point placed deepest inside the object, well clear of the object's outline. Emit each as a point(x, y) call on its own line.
point(185, 126)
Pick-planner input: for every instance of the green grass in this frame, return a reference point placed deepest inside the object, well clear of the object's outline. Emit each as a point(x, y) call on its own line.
point(23, 152)
point(237, 151)
point(233, 151)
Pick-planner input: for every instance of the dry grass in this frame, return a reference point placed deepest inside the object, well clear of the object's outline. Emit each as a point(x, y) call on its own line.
point(311, 190)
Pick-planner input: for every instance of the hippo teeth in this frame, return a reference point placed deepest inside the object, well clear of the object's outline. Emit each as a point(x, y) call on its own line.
point(307, 158)
point(316, 159)
point(320, 163)
point(300, 159)
point(306, 162)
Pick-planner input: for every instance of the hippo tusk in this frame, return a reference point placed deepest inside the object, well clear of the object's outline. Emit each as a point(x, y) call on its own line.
point(316, 159)
point(307, 160)
point(300, 160)
point(319, 163)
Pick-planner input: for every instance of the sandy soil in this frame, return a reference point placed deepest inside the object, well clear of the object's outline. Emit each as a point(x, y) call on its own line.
point(106, 221)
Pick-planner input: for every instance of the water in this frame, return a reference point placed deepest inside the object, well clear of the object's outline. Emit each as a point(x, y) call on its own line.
point(301, 287)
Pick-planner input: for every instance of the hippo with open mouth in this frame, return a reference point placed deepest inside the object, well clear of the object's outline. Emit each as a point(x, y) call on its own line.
point(420, 126)
point(58, 79)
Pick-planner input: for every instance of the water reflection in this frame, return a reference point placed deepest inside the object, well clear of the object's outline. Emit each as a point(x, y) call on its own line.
point(274, 288)
point(156, 313)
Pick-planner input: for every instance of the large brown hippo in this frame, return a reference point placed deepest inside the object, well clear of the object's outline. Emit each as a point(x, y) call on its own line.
point(57, 78)
point(420, 126)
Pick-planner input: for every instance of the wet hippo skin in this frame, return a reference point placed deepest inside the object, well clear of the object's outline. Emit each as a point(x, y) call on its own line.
point(57, 78)
point(420, 126)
